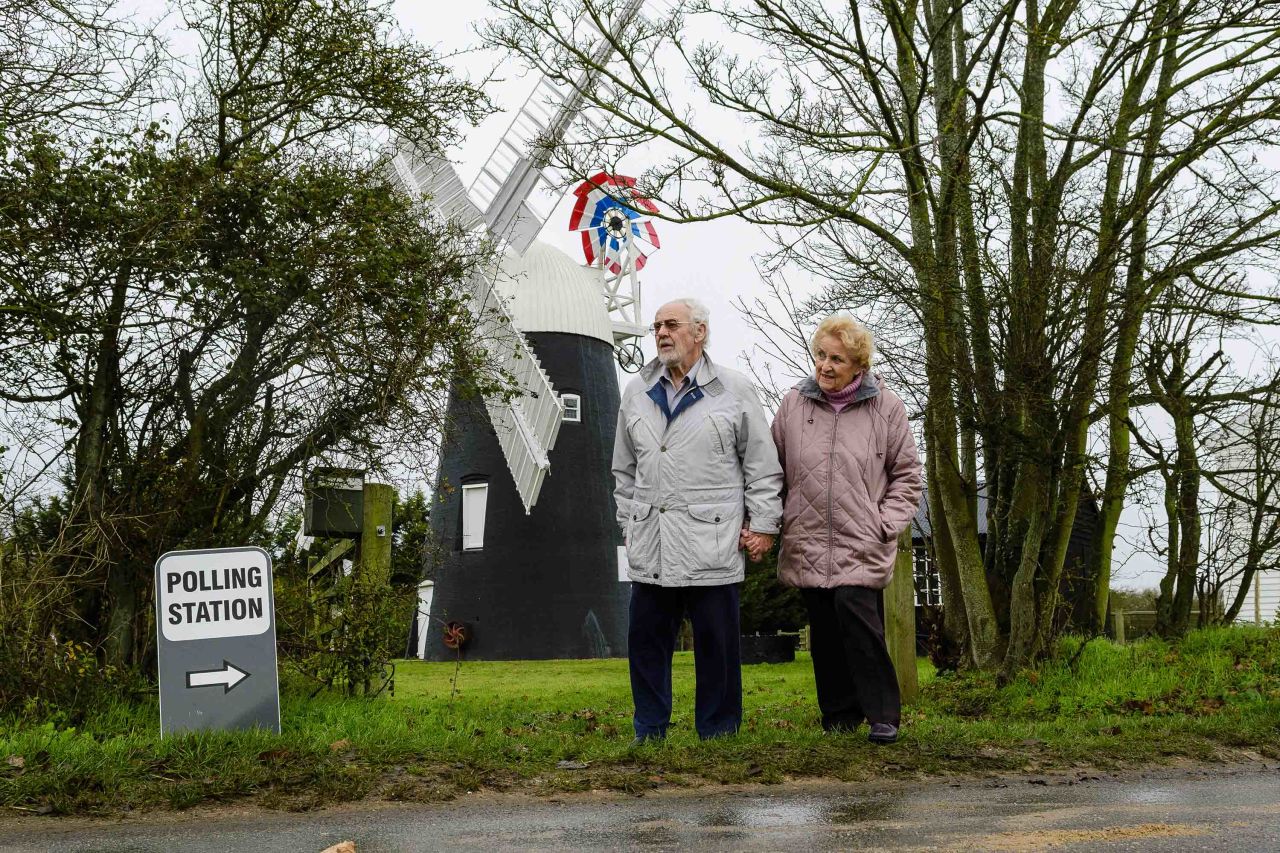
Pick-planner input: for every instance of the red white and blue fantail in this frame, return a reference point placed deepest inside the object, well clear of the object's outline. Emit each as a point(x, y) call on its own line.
point(611, 217)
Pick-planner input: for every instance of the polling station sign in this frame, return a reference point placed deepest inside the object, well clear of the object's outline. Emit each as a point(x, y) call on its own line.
point(216, 640)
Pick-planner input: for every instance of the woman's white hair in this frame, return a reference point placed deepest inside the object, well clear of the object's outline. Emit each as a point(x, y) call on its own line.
point(698, 313)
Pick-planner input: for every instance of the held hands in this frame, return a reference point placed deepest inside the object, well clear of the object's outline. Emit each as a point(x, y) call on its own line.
point(755, 544)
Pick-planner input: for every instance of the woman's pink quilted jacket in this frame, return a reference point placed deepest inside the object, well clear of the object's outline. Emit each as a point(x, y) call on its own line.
point(852, 485)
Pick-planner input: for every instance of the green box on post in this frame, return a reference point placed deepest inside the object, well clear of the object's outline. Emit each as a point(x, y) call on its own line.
point(333, 503)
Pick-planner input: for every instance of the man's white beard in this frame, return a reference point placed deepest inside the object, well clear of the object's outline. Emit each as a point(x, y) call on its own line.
point(669, 357)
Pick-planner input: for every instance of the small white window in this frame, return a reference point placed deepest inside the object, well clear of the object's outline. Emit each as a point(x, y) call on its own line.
point(475, 497)
point(572, 407)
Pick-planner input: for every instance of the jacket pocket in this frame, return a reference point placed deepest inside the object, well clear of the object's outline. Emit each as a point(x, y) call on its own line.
point(720, 430)
point(887, 533)
point(876, 562)
point(642, 535)
point(713, 535)
point(642, 434)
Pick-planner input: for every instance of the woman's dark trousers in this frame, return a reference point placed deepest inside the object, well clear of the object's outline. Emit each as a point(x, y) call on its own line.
point(851, 665)
point(656, 614)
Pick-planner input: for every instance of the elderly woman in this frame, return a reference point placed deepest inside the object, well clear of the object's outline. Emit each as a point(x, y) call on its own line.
point(852, 485)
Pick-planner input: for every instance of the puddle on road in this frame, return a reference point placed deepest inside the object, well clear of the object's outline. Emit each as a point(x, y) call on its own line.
point(759, 815)
point(769, 813)
point(1150, 796)
point(654, 834)
point(866, 810)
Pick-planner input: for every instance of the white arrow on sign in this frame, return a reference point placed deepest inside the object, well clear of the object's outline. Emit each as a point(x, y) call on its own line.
point(229, 676)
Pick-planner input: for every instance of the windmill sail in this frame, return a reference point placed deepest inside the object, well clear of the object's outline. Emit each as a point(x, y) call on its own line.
point(515, 188)
point(432, 175)
point(527, 424)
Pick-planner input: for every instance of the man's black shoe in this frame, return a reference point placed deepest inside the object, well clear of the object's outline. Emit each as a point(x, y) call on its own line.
point(883, 733)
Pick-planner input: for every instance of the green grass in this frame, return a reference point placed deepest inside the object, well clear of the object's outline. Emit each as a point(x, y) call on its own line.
point(554, 726)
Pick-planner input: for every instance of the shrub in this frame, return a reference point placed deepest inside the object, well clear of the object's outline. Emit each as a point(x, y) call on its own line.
point(44, 674)
point(339, 630)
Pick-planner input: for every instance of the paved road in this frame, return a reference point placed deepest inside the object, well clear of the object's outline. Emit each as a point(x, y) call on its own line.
point(1236, 810)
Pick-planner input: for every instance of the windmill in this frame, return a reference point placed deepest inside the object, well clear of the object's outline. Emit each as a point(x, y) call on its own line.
point(526, 574)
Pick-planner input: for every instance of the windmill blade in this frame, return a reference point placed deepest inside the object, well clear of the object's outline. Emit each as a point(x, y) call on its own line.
point(514, 187)
point(527, 424)
point(513, 190)
point(514, 198)
point(434, 176)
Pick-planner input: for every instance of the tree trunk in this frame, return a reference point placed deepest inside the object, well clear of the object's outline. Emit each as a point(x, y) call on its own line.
point(1173, 540)
point(89, 508)
point(1028, 507)
point(1062, 522)
point(1118, 474)
point(121, 639)
point(1139, 294)
point(954, 612)
point(1188, 503)
point(1232, 611)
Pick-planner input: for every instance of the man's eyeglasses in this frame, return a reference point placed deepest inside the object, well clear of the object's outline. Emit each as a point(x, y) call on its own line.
point(669, 325)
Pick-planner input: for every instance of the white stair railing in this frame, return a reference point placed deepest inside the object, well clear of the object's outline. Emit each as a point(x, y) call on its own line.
point(528, 423)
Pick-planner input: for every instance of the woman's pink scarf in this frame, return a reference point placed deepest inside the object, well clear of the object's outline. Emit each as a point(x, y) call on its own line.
point(843, 397)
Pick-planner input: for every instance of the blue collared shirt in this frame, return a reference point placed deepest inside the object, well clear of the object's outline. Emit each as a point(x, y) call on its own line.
point(675, 392)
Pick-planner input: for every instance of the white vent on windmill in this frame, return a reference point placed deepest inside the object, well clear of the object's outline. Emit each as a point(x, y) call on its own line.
point(504, 200)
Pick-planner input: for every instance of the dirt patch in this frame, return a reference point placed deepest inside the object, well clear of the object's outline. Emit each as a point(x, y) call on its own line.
point(1048, 839)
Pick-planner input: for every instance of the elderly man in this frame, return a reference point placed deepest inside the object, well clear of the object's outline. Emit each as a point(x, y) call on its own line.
point(696, 474)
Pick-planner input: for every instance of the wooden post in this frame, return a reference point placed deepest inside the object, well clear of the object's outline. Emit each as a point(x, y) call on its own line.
point(375, 534)
point(1117, 625)
point(375, 543)
point(900, 620)
point(1257, 598)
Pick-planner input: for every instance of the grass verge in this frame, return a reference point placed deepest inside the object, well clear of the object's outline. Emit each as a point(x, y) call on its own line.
point(553, 726)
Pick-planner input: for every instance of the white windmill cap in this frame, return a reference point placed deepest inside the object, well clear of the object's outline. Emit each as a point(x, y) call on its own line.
point(548, 291)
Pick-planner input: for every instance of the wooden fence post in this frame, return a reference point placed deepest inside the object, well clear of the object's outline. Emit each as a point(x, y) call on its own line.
point(900, 620)
point(1117, 625)
point(375, 534)
point(375, 544)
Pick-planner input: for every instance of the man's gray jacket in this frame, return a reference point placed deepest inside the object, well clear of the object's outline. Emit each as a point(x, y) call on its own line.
point(684, 479)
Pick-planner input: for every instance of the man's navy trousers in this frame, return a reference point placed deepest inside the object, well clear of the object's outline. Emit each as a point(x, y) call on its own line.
point(656, 614)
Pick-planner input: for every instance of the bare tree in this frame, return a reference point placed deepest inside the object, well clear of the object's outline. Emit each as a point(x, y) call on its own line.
point(1189, 379)
point(1018, 176)
point(73, 64)
point(1245, 444)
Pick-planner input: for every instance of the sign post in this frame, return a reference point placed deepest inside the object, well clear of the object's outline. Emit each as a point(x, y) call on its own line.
point(216, 641)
